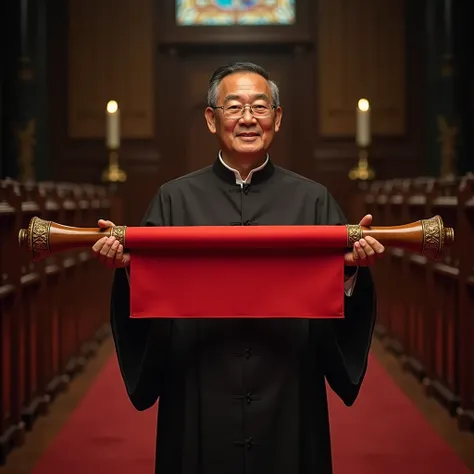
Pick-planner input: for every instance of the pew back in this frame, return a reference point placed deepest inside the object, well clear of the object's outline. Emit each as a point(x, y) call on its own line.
point(54, 312)
point(425, 307)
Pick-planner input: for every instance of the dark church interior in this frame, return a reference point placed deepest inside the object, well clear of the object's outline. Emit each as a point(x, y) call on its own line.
point(102, 102)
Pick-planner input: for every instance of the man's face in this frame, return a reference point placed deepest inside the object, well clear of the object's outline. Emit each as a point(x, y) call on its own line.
point(245, 137)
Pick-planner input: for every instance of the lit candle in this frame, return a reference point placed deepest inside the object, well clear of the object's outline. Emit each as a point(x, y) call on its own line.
point(112, 125)
point(363, 123)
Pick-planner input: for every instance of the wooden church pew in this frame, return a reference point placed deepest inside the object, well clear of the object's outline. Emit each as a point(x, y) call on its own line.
point(425, 307)
point(465, 343)
point(442, 360)
point(11, 425)
point(54, 312)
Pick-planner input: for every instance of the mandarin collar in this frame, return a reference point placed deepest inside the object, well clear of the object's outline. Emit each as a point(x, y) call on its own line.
point(228, 175)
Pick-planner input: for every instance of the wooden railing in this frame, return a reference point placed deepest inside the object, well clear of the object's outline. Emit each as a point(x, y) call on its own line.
point(426, 309)
point(53, 313)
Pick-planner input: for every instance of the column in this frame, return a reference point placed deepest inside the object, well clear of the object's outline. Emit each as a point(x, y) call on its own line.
point(449, 78)
point(25, 140)
point(463, 39)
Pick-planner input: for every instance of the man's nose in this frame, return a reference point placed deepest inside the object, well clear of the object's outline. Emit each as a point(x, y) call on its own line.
point(247, 115)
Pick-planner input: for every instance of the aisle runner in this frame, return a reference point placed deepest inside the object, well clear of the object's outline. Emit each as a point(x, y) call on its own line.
point(105, 434)
point(382, 433)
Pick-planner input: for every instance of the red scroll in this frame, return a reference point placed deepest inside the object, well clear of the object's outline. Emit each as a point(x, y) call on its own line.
point(237, 272)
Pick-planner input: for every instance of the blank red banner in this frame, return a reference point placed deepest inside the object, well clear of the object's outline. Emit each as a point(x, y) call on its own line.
point(237, 272)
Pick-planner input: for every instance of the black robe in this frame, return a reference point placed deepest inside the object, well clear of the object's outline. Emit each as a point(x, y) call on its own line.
point(243, 396)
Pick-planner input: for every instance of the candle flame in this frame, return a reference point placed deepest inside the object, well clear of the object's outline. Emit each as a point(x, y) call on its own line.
point(112, 106)
point(363, 105)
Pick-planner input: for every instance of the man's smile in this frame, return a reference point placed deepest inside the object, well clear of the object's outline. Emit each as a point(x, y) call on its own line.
point(248, 136)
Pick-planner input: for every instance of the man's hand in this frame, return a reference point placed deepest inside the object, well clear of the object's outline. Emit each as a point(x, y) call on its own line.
point(366, 250)
point(109, 250)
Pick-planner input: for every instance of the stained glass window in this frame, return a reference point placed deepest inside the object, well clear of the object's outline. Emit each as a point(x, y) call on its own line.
point(235, 12)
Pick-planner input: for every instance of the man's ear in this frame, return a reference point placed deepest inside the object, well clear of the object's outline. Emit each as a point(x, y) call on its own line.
point(278, 117)
point(210, 119)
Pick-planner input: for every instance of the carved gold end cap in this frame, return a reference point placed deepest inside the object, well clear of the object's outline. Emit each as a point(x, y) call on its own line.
point(35, 239)
point(436, 237)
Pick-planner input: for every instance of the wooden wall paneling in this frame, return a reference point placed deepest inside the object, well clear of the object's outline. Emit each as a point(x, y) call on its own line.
point(109, 50)
point(360, 52)
point(304, 116)
point(415, 85)
point(111, 56)
point(361, 48)
point(195, 69)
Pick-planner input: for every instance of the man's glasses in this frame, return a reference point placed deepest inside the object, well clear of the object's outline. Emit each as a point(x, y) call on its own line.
point(235, 111)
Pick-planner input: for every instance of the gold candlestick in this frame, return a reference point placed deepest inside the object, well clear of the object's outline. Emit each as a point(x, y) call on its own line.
point(362, 170)
point(113, 173)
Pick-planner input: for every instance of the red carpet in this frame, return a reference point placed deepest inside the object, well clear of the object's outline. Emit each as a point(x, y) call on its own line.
point(105, 434)
point(385, 433)
point(382, 433)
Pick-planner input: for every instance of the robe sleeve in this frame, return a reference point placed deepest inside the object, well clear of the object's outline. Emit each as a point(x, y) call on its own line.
point(345, 343)
point(141, 344)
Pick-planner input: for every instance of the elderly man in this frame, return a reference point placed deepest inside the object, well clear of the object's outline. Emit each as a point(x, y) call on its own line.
point(243, 396)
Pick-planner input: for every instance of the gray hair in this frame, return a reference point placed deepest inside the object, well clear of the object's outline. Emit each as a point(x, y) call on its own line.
point(220, 73)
